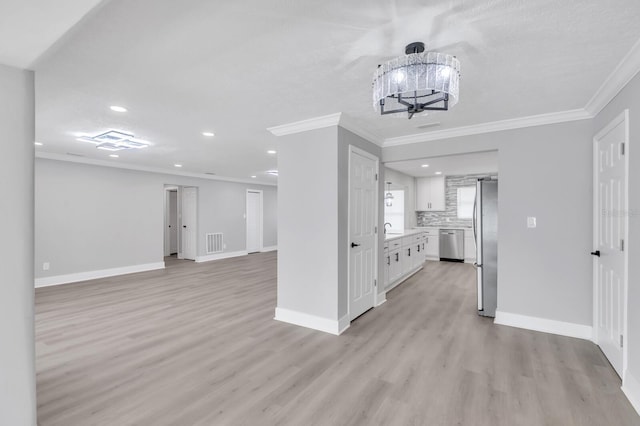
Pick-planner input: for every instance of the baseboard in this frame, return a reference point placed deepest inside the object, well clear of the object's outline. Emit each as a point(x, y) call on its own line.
point(544, 325)
point(94, 275)
point(218, 256)
point(381, 298)
point(311, 321)
point(270, 248)
point(631, 388)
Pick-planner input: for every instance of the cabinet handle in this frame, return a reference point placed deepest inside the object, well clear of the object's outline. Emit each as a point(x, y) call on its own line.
point(397, 257)
point(409, 251)
point(427, 240)
point(418, 248)
point(388, 260)
point(422, 246)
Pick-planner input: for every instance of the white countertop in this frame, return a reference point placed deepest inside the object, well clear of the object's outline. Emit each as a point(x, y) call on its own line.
point(389, 237)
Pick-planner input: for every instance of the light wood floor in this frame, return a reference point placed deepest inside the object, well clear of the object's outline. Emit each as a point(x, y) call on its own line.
point(196, 344)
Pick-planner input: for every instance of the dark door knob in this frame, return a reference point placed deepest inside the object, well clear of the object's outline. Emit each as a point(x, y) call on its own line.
point(184, 226)
point(596, 253)
point(354, 245)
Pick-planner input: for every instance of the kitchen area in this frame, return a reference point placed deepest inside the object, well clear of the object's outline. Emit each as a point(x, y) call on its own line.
point(430, 216)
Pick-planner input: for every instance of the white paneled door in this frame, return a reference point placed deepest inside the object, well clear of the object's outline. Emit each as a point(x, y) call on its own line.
point(610, 202)
point(189, 222)
point(363, 169)
point(254, 221)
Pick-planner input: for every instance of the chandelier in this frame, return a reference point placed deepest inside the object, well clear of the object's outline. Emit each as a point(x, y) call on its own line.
point(417, 82)
point(388, 197)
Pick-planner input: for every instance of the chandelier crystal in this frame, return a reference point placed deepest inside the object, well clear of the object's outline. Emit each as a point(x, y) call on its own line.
point(416, 82)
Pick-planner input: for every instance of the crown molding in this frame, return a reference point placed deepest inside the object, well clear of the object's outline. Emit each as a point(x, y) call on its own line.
point(306, 125)
point(494, 126)
point(621, 75)
point(140, 168)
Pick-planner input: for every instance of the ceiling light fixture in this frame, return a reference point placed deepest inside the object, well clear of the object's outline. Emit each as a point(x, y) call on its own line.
point(438, 173)
point(208, 134)
point(253, 177)
point(117, 108)
point(272, 172)
point(38, 143)
point(177, 165)
point(271, 151)
point(416, 82)
point(388, 197)
point(114, 140)
point(114, 156)
point(425, 165)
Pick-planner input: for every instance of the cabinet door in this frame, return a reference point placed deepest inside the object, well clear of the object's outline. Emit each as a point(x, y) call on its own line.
point(395, 267)
point(423, 194)
point(387, 267)
point(407, 258)
point(438, 194)
point(432, 247)
point(417, 253)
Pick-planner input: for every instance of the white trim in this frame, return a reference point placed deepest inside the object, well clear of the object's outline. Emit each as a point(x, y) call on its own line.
point(631, 389)
point(623, 117)
point(347, 123)
point(269, 248)
point(494, 126)
point(376, 249)
point(94, 275)
point(544, 325)
point(140, 168)
point(381, 298)
point(218, 256)
point(628, 67)
point(306, 125)
point(326, 325)
point(246, 221)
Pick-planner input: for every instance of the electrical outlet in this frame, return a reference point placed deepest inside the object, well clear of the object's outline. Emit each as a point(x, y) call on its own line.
point(531, 222)
point(45, 266)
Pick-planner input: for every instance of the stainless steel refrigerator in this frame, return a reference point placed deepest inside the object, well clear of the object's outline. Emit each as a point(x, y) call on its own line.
point(485, 230)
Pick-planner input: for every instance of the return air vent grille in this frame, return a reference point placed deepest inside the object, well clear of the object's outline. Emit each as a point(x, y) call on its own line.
point(215, 243)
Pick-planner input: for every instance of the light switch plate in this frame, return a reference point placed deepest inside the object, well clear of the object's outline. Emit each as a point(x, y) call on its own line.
point(45, 266)
point(531, 222)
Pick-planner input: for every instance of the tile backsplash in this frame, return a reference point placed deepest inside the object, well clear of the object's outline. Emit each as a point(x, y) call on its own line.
point(449, 217)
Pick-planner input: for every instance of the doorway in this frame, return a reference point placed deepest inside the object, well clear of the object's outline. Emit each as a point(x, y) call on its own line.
point(254, 217)
point(610, 232)
point(180, 222)
point(363, 239)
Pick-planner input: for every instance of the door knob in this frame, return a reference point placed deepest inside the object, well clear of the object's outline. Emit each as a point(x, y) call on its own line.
point(184, 226)
point(354, 245)
point(596, 253)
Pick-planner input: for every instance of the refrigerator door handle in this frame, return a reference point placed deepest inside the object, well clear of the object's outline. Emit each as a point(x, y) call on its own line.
point(480, 296)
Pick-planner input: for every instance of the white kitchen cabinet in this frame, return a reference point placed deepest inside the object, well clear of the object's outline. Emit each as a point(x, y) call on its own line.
point(407, 260)
point(395, 265)
point(432, 246)
point(387, 265)
point(469, 246)
point(430, 194)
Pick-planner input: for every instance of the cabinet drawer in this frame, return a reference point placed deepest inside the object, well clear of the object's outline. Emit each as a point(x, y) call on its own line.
point(394, 244)
point(407, 241)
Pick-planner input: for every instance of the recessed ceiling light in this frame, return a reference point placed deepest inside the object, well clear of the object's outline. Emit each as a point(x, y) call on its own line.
point(271, 151)
point(177, 165)
point(117, 108)
point(438, 173)
point(114, 155)
point(253, 177)
point(425, 165)
point(208, 134)
point(38, 143)
point(272, 172)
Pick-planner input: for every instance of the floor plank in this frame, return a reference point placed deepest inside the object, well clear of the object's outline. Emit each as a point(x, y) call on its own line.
point(196, 344)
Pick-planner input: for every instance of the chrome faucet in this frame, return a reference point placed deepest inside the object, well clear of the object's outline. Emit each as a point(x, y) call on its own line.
point(385, 226)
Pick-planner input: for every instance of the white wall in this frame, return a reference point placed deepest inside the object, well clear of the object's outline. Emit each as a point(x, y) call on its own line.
point(545, 172)
point(91, 218)
point(629, 98)
point(17, 350)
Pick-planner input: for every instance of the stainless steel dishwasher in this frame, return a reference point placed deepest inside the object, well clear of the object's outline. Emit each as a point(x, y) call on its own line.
point(452, 245)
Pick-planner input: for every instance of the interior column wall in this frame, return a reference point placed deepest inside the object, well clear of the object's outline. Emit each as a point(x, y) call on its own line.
point(17, 349)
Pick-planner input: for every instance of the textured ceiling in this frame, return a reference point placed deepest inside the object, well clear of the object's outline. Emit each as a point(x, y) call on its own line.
point(236, 68)
point(464, 164)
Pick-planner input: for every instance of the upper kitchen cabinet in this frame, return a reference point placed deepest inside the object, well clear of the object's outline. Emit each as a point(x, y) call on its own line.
point(430, 194)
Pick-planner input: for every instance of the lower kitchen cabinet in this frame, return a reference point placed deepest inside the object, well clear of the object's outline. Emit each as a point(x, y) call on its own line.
point(404, 256)
point(432, 245)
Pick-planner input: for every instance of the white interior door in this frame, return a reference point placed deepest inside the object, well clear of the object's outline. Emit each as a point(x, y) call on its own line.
point(363, 210)
point(610, 202)
point(173, 222)
point(189, 222)
point(254, 221)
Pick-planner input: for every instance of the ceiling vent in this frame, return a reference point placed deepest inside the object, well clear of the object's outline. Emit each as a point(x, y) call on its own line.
point(115, 140)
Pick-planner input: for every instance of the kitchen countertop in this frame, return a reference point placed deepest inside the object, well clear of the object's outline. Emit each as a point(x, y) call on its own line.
point(389, 237)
